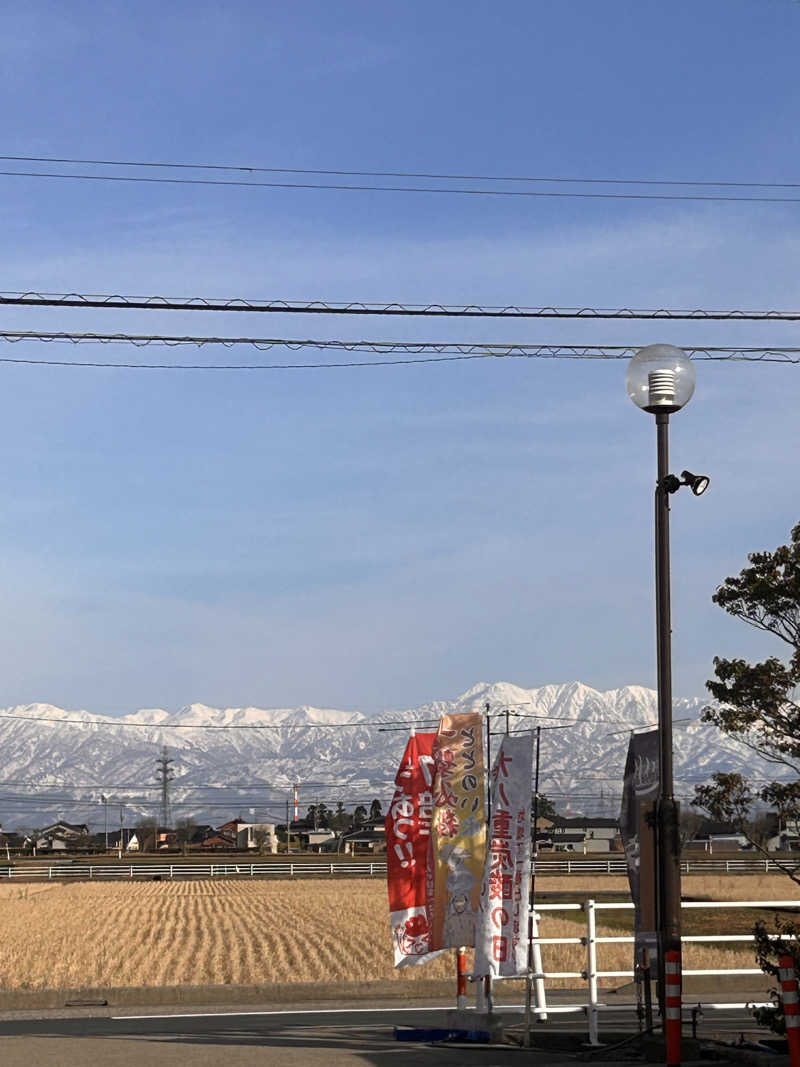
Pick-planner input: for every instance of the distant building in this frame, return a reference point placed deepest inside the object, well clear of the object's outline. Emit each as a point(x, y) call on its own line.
point(583, 834)
point(719, 836)
point(368, 837)
point(11, 841)
point(784, 834)
point(61, 836)
point(231, 827)
point(257, 835)
point(219, 841)
point(319, 839)
point(199, 834)
point(569, 842)
point(128, 836)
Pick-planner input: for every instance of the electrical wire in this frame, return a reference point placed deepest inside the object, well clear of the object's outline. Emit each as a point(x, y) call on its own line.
point(322, 307)
point(726, 183)
point(424, 189)
point(440, 351)
point(368, 724)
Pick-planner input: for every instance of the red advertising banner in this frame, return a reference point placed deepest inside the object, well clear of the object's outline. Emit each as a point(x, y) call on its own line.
point(408, 853)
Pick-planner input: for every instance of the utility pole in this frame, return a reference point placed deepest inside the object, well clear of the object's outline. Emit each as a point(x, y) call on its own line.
point(288, 830)
point(105, 814)
point(164, 776)
point(121, 827)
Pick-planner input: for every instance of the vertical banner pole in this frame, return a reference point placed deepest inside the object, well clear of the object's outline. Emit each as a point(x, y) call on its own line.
point(538, 983)
point(487, 982)
point(791, 1008)
point(532, 924)
point(672, 1005)
point(461, 978)
point(591, 969)
point(648, 990)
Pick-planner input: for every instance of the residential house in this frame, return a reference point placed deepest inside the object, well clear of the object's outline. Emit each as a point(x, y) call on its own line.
point(257, 835)
point(231, 827)
point(717, 836)
point(784, 834)
point(219, 841)
point(569, 842)
point(199, 834)
point(584, 834)
point(369, 837)
point(11, 841)
point(62, 836)
point(317, 840)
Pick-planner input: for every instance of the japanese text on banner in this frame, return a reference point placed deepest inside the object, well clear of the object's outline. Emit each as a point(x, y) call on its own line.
point(408, 853)
point(502, 941)
point(459, 828)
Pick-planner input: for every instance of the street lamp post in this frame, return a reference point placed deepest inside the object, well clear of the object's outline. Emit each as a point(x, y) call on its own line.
point(661, 380)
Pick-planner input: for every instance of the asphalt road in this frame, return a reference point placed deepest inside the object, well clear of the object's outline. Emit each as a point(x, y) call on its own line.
point(328, 1038)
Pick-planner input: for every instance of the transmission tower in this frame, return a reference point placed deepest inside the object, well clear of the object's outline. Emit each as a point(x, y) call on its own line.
point(164, 776)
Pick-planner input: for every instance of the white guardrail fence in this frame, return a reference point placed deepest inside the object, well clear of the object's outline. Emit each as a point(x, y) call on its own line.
point(593, 1005)
point(76, 869)
point(108, 871)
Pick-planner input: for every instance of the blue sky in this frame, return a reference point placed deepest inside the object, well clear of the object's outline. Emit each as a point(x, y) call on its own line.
point(376, 538)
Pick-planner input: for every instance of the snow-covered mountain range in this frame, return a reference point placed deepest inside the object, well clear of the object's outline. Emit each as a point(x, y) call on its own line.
point(57, 763)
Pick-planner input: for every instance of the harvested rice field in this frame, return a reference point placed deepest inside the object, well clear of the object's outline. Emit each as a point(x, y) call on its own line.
point(91, 935)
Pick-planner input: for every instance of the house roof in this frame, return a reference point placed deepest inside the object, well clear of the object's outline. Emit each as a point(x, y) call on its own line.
point(364, 835)
point(712, 828)
point(65, 827)
point(218, 839)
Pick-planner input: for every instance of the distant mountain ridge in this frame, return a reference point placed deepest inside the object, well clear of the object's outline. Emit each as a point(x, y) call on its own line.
point(53, 768)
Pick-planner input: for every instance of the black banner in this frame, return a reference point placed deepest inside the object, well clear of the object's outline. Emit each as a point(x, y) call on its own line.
point(637, 822)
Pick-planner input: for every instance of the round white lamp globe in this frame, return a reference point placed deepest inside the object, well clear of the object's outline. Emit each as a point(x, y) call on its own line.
point(660, 379)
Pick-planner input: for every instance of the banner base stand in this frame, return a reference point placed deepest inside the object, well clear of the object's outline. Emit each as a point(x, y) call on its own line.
point(489, 1022)
point(428, 1034)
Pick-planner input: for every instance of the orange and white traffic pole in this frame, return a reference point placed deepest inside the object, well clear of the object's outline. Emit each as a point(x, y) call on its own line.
point(672, 1006)
point(791, 1008)
point(461, 978)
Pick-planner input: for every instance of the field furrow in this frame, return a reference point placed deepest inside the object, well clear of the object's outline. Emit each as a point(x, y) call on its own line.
point(255, 932)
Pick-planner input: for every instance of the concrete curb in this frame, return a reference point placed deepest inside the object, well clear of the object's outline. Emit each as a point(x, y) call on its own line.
point(272, 993)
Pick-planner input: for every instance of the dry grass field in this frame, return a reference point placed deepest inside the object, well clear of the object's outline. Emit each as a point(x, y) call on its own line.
point(91, 935)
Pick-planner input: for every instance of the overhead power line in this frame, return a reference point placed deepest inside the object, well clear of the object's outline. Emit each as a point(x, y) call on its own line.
point(368, 724)
point(432, 310)
point(243, 169)
point(423, 189)
point(416, 351)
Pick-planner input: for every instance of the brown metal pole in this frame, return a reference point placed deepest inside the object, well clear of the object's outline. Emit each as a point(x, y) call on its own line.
point(669, 877)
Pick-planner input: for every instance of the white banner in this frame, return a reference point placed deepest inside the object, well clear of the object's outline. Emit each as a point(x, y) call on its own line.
point(501, 944)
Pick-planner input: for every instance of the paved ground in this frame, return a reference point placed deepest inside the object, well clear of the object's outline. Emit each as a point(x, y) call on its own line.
point(328, 1038)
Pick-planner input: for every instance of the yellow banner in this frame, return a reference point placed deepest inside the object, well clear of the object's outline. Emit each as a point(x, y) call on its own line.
point(459, 829)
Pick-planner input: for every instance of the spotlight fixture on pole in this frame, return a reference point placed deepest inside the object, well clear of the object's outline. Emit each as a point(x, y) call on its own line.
point(661, 380)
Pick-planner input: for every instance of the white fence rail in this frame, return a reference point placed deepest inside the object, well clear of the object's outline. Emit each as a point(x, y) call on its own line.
point(309, 868)
point(585, 865)
point(590, 940)
point(108, 871)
